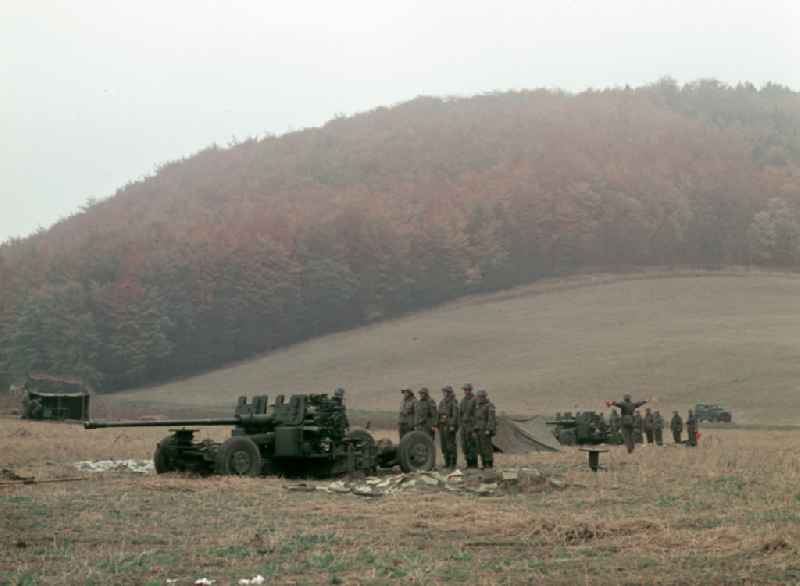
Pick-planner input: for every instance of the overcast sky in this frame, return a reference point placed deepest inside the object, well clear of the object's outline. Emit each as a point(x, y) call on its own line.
point(96, 93)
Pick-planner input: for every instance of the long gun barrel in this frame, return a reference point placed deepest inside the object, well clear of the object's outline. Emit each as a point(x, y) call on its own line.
point(230, 421)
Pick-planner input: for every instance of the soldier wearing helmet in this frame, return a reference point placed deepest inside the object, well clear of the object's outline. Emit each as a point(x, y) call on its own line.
point(425, 415)
point(485, 427)
point(627, 409)
point(448, 426)
point(405, 421)
point(466, 418)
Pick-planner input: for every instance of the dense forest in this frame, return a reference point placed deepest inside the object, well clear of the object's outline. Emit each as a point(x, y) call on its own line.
point(238, 250)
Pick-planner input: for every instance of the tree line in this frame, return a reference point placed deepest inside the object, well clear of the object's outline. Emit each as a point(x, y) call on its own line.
point(241, 249)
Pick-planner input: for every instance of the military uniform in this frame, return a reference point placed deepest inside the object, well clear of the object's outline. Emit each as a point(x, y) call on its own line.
point(638, 428)
point(691, 429)
point(405, 422)
point(485, 428)
point(658, 428)
point(613, 421)
point(648, 426)
point(26, 406)
point(627, 408)
point(425, 416)
point(336, 414)
point(448, 427)
point(676, 425)
point(466, 419)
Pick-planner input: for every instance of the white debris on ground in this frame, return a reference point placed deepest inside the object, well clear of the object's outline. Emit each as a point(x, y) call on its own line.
point(138, 466)
point(475, 482)
point(255, 581)
point(204, 582)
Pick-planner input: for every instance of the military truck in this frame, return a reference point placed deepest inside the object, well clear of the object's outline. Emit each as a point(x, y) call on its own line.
point(583, 428)
point(50, 397)
point(304, 436)
point(713, 413)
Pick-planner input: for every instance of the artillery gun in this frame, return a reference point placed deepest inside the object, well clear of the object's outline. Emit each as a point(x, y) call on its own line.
point(305, 436)
point(586, 427)
point(713, 413)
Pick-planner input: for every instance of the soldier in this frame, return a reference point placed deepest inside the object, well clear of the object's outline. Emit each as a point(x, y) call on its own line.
point(448, 426)
point(613, 421)
point(691, 429)
point(648, 425)
point(341, 409)
point(37, 410)
point(425, 416)
point(26, 406)
point(638, 428)
point(485, 428)
point(626, 408)
point(466, 419)
point(676, 425)
point(405, 421)
point(658, 428)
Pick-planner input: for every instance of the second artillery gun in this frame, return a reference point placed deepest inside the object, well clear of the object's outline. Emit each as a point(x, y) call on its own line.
point(304, 436)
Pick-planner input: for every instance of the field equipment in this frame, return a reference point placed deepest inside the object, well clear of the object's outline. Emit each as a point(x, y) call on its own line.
point(713, 413)
point(49, 397)
point(306, 436)
point(585, 427)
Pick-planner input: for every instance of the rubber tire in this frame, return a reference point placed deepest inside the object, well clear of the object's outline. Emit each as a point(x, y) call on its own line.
point(239, 456)
point(416, 452)
point(162, 463)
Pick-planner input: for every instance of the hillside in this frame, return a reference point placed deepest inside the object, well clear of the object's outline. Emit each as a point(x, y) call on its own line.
point(558, 345)
point(258, 245)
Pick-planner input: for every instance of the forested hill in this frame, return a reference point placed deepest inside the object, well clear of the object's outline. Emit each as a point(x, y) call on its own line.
point(242, 249)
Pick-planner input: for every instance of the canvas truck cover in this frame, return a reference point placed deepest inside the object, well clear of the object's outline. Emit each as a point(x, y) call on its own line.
point(521, 434)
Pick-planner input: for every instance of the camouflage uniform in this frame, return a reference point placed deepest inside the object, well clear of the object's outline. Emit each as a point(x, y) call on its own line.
point(658, 428)
point(638, 427)
point(448, 427)
point(648, 425)
point(691, 428)
point(676, 425)
point(613, 421)
point(405, 422)
point(337, 414)
point(485, 428)
point(627, 408)
point(466, 418)
point(425, 417)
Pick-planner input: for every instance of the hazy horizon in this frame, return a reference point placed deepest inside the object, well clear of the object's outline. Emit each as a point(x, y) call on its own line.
point(101, 93)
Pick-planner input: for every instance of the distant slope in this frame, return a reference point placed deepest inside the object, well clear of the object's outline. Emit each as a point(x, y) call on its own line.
point(245, 249)
point(555, 346)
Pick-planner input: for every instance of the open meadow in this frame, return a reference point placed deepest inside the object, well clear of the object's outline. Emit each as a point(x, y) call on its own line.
point(556, 345)
point(727, 512)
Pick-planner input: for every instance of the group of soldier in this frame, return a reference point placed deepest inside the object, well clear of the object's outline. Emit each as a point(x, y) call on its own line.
point(635, 428)
point(472, 420)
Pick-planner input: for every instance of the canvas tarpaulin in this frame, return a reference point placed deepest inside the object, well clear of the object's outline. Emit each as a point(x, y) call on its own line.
point(520, 435)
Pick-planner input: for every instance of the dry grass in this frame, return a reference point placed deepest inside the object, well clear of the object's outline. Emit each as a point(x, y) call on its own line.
point(558, 345)
point(726, 512)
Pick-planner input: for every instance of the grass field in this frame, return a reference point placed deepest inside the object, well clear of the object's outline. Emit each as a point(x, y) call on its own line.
point(727, 512)
point(557, 345)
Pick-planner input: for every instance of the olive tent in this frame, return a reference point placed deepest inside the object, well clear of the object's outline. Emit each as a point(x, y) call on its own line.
point(520, 435)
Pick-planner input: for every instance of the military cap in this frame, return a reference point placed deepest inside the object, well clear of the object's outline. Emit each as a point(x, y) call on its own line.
point(447, 389)
point(627, 397)
point(423, 391)
point(482, 393)
point(467, 386)
point(406, 390)
point(339, 392)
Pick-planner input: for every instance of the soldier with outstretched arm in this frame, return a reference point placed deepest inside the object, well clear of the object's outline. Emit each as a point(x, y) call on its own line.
point(626, 408)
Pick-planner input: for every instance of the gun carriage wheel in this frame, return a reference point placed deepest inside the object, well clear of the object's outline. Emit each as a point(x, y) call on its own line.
point(162, 457)
point(239, 456)
point(416, 452)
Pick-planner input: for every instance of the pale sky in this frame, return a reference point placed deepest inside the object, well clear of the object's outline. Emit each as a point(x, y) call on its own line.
point(97, 93)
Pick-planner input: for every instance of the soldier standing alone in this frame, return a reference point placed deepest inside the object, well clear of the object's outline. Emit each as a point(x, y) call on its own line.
point(485, 428)
point(405, 421)
point(676, 425)
point(658, 428)
point(626, 408)
point(448, 426)
point(691, 428)
point(466, 418)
